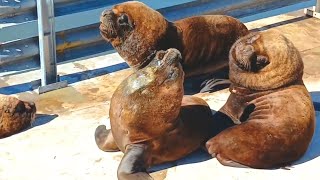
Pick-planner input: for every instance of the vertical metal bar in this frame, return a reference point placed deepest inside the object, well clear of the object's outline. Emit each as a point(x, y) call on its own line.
point(317, 9)
point(47, 41)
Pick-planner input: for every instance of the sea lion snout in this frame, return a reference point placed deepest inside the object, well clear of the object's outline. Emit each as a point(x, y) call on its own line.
point(166, 66)
point(107, 12)
point(166, 58)
point(169, 56)
point(115, 25)
point(107, 17)
point(108, 27)
point(173, 68)
point(247, 59)
point(245, 55)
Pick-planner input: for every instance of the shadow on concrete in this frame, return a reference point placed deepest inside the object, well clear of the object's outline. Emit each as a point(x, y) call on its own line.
point(42, 119)
point(71, 78)
point(192, 85)
point(220, 122)
point(297, 19)
point(314, 147)
point(207, 83)
point(199, 155)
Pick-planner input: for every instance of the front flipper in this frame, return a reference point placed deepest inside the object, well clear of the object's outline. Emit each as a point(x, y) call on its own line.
point(132, 165)
point(104, 139)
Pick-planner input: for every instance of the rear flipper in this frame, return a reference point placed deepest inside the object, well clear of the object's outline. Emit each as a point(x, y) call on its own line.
point(212, 150)
point(104, 139)
point(132, 165)
point(216, 81)
point(228, 162)
point(211, 81)
point(212, 85)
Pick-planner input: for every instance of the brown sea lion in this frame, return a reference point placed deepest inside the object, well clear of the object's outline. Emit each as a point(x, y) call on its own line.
point(136, 31)
point(152, 122)
point(15, 115)
point(269, 98)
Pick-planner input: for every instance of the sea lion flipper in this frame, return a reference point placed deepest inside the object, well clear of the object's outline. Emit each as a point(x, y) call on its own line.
point(228, 162)
point(214, 85)
point(104, 139)
point(132, 165)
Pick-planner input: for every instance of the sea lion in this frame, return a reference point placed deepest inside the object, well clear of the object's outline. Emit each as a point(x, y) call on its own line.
point(136, 31)
point(270, 101)
point(15, 114)
point(152, 122)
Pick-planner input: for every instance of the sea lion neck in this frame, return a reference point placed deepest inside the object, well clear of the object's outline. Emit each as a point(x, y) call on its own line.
point(166, 41)
point(250, 94)
point(243, 91)
point(172, 37)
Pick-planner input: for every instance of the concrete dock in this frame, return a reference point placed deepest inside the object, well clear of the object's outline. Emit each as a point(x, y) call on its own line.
point(60, 144)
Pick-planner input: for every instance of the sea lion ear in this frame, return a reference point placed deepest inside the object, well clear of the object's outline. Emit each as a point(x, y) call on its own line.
point(253, 38)
point(262, 61)
point(123, 20)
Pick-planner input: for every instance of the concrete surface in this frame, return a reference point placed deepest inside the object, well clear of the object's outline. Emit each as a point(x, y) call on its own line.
point(60, 144)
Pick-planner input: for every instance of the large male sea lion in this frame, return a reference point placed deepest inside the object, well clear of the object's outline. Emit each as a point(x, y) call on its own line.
point(269, 98)
point(136, 31)
point(15, 115)
point(152, 122)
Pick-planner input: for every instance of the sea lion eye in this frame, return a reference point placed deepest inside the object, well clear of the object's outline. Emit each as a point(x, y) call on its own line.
point(262, 61)
point(123, 19)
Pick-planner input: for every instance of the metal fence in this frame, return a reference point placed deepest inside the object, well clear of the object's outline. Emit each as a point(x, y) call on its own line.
point(56, 31)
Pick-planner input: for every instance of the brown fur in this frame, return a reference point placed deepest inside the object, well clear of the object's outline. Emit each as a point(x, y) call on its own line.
point(269, 98)
point(149, 108)
point(15, 115)
point(204, 41)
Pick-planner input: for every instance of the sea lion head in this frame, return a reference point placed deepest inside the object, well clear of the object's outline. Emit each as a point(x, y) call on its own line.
point(19, 110)
point(134, 30)
point(15, 115)
point(31, 110)
point(264, 61)
point(164, 72)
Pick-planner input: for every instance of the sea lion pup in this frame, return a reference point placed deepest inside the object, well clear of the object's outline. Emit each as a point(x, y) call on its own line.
point(152, 122)
point(269, 98)
point(136, 31)
point(15, 114)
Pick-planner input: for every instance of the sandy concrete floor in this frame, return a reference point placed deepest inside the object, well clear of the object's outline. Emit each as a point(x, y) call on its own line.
point(60, 144)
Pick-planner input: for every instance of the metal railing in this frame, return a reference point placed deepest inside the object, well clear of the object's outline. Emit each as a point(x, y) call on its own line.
point(315, 11)
point(30, 33)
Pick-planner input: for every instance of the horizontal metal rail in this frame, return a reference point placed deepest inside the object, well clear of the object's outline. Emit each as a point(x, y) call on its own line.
point(70, 21)
point(78, 35)
point(8, 8)
point(315, 11)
